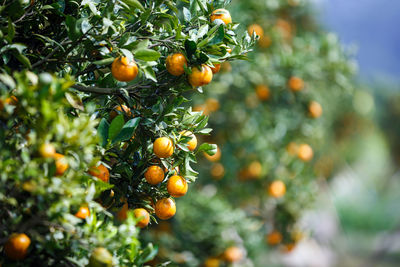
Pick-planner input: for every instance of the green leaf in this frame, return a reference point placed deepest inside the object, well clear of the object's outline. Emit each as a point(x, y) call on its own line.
point(133, 4)
point(202, 31)
point(11, 31)
point(102, 131)
point(24, 60)
point(149, 73)
point(190, 47)
point(146, 54)
point(219, 37)
point(73, 29)
point(127, 53)
point(105, 61)
point(186, 14)
point(116, 126)
point(127, 131)
point(210, 149)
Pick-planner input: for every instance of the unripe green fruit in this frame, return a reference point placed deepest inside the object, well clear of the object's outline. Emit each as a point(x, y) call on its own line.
point(100, 258)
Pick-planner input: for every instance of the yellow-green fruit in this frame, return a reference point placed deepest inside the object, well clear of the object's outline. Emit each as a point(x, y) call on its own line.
point(100, 258)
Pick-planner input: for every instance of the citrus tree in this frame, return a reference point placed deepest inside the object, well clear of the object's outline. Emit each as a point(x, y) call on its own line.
point(96, 134)
point(273, 120)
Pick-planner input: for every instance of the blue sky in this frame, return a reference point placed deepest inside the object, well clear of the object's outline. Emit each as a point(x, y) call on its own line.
point(373, 26)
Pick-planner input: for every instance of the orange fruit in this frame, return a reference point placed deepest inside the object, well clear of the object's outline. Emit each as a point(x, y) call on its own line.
point(274, 238)
point(154, 175)
point(315, 109)
point(277, 189)
point(233, 254)
point(200, 76)
point(257, 29)
point(287, 248)
point(284, 27)
point(265, 41)
point(47, 150)
point(142, 213)
point(305, 152)
point(16, 247)
point(120, 109)
point(177, 186)
point(101, 172)
point(215, 157)
point(221, 14)
point(217, 171)
point(100, 257)
point(175, 64)
point(216, 68)
point(163, 147)
point(121, 215)
point(124, 70)
point(83, 212)
point(212, 104)
point(296, 84)
point(254, 169)
point(292, 148)
point(263, 92)
point(165, 208)
point(192, 143)
point(211, 262)
point(12, 100)
point(61, 164)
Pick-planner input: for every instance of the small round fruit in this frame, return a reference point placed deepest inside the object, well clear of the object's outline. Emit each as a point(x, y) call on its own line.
point(83, 212)
point(122, 213)
point(120, 109)
point(257, 29)
point(100, 257)
point(277, 189)
point(296, 84)
point(315, 109)
point(101, 172)
point(177, 186)
point(292, 148)
point(254, 170)
point(124, 70)
point(142, 213)
point(217, 171)
point(215, 157)
point(233, 254)
point(263, 92)
point(154, 175)
point(192, 143)
point(216, 68)
point(221, 14)
point(47, 150)
point(61, 164)
point(305, 152)
point(163, 147)
point(200, 76)
point(212, 104)
point(274, 238)
point(165, 208)
point(16, 247)
point(211, 262)
point(175, 64)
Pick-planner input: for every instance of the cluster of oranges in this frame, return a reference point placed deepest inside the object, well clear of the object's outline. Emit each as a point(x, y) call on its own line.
point(231, 255)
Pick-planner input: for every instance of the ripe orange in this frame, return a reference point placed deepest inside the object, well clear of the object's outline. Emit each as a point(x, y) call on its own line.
point(124, 70)
point(16, 247)
point(145, 217)
point(296, 84)
point(211, 262)
point(163, 147)
point(233, 254)
point(292, 148)
point(121, 215)
point(254, 169)
point(274, 238)
point(215, 157)
point(47, 150)
point(265, 41)
point(200, 77)
point(101, 172)
point(212, 104)
point(120, 109)
point(83, 212)
point(217, 171)
point(61, 164)
point(221, 14)
point(285, 28)
point(257, 29)
point(277, 189)
point(305, 152)
point(175, 64)
point(216, 68)
point(192, 143)
point(165, 208)
point(263, 92)
point(315, 109)
point(177, 186)
point(154, 175)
